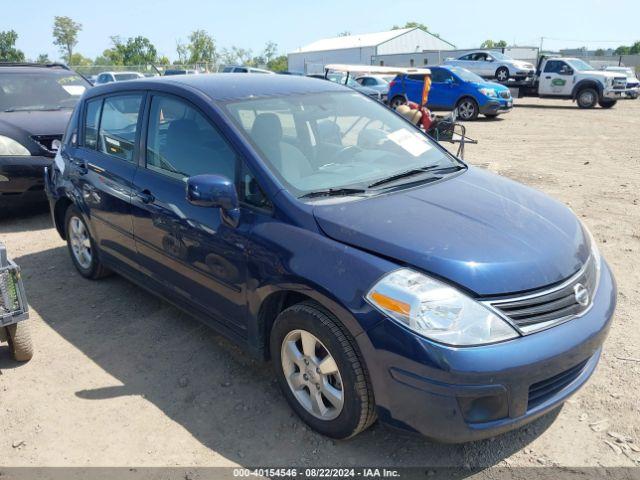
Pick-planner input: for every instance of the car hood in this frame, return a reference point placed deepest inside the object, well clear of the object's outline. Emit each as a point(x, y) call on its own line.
point(485, 233)
point(496, 86)
point(522, 64)
point(36, 122)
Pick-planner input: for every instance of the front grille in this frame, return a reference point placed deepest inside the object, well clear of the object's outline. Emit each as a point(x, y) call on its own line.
point(551, 306)
point(545, 389)
point(620, 83)
point(505, 94)
point(46, 142)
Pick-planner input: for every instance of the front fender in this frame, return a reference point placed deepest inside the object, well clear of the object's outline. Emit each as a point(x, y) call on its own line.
point(586, 84)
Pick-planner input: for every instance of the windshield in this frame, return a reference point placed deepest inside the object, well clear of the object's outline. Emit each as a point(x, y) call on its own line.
point(579, 65)
point(499, 56)
point(334, 140)
point(126, 76)
point(466, 75)
point(340, 77)
point(40, 91)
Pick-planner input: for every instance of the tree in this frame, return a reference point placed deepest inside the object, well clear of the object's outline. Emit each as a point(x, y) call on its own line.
point(65, 35)
point(202, 48)
point(622, 50)
point(493, 44)
point(136, 51)
point(8, 50)
point(43, 58)
point(278, 64)
point(183, 53)
point(270, 51)
point(421, 26)
point(164, 60)
point(635, 49)
point(599, 52)
point(78, 60)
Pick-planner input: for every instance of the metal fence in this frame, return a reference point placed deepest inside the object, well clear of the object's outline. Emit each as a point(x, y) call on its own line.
point(148, 70)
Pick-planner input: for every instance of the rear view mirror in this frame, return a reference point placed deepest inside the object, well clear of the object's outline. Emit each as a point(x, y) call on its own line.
point(215, 191)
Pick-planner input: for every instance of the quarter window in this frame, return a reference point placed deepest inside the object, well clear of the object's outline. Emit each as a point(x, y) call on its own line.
point(181, 142)
point(91, 120)
point(119, 125)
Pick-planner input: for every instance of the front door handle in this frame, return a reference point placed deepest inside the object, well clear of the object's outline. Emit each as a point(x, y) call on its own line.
point(146, 196)
point(80, 166)
point(547, 77)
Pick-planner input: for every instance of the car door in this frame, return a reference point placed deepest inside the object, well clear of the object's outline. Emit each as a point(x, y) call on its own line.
point(187, 251)
point(469, 62)
point(443, 93)
point(102, 171)
point(556, 79)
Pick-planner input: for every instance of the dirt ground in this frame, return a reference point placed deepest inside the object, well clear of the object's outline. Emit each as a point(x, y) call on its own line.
point(121, 378)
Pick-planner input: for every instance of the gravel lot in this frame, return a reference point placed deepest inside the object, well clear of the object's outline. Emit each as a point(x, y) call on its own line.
point(121, 378)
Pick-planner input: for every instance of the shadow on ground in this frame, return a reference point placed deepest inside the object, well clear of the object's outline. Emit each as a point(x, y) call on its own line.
point(227, 401)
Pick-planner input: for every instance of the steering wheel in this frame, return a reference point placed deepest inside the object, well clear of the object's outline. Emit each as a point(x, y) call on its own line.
point(349, 150)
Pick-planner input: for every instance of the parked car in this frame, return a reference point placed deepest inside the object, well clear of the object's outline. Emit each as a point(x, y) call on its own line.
point(381, 275)
point(633, 84)
point(453, 88)
point(493, 64)
point(349, 81)
point(36, 102)
point(244, 69)
point(574, 79)
point(376, 82)
point(179, 71)
point(107, 77)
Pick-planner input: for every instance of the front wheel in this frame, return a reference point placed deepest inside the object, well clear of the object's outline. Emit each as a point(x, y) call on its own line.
point(19, 337)
point(587, 98)
point(467, 109)
point(320, 372)
point(607, 103)
point(502, 74)
point(82, 247)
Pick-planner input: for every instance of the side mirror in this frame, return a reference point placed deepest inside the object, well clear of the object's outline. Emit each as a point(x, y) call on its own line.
point(215, 191)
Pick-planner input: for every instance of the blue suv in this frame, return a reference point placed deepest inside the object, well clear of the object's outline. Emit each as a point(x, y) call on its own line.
point(383, 277)
point(453, 88)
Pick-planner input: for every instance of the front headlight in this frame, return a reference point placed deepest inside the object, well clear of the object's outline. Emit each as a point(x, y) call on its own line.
point(489, 92)
point(9, 147)
point(436, 310)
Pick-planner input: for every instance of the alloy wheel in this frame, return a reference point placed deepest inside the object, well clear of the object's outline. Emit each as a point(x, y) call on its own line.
point(502, 75)
point(80, 242)
point(466, 110)
point(312, 374)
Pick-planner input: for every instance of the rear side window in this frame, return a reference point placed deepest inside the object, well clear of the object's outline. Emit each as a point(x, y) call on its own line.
point(119, 125)
point(181, 142)
point(440, 75)
point(91, 120)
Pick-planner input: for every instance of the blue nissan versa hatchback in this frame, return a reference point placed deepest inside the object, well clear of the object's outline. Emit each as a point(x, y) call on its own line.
point(382, 276)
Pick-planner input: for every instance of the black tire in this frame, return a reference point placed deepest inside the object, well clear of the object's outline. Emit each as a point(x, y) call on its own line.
point(358, 410)
point(587, 98)
point(397, 101)
point(94, 270)
point(502, 74)
point(467, 109)
point(607, 103)
point(19, 338)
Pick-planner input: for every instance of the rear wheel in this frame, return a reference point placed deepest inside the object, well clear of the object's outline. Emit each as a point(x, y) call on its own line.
point(502, 74)
point(467, 109)
point(320, 373)
point(607, 103)
point(19, 338)
point(587, 98)
point(397, 101)
point(82, 248)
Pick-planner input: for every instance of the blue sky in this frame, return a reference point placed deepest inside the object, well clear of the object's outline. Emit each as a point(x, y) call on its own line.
point(293, 23)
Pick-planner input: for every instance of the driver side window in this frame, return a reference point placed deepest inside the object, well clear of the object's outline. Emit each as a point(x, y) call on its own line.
point(119, 125)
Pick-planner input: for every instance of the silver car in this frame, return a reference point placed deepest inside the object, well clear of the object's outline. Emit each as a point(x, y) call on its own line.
point(493, 65)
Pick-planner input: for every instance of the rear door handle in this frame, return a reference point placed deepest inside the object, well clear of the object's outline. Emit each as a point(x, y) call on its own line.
point(146, 196)
point(547, 77)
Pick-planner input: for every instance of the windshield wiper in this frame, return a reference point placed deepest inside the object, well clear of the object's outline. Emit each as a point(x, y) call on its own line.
point(334, 192)
point(416, 171)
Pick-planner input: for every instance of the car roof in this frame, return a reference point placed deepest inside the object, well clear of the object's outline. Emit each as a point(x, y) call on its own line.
point(221, 87)
point(34, 68)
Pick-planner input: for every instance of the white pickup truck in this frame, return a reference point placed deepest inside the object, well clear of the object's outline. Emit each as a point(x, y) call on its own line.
point(574, 79)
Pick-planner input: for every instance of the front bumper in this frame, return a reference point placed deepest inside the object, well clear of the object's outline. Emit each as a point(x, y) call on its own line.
point(465, 394)
point(496, 106)
point(22, 179)
point(620, 94)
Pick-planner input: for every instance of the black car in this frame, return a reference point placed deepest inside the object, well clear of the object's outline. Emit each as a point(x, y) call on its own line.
point(36, 102)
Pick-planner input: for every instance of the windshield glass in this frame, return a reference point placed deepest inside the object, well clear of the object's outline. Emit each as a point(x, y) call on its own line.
point(499, 56)
point(466, 75)
point(40, 91)
point(126, 76)
point(579, 65)
point(334, 140)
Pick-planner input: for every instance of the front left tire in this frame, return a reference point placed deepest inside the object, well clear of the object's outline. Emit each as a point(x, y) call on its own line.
point(502, 74)
point(320, 372)
point(82, 247)
point(607, 103)
point(467, 109)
